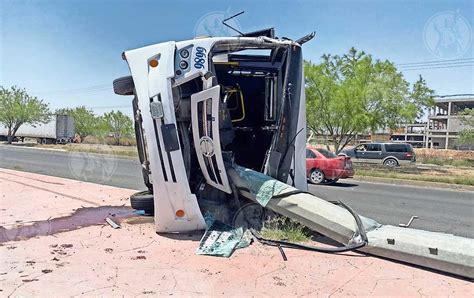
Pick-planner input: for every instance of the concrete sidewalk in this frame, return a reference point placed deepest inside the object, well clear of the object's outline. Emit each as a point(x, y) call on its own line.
point(54, 242)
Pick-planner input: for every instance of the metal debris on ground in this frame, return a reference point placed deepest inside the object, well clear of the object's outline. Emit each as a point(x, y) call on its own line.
point(112, 223)
point(409, 222)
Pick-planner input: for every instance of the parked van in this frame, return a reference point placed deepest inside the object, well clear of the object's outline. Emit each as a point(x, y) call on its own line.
point(388, 154)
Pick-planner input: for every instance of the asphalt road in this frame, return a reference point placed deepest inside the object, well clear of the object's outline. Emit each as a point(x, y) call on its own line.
point(439, 210)
point(96, 168)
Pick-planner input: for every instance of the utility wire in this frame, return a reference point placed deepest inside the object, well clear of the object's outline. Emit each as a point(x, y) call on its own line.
point(436, 61)
point(439, 64)
point(73, 92)
point(110, 107)
point(437, 67)
point(106, 107)
point(78, 90)
point(435, 64)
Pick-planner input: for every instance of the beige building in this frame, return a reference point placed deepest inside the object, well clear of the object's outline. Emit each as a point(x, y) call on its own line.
point(413, 133)
point(443, 125)
point(444, 121)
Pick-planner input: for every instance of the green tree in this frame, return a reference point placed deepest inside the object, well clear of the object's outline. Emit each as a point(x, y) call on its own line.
point(85, 121)
point(466, 135)
point(18, 107)
point(352, 94)
point(422, 97)
point(119, 124)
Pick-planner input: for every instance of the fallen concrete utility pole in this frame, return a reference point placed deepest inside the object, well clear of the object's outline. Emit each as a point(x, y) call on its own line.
point(443, 252)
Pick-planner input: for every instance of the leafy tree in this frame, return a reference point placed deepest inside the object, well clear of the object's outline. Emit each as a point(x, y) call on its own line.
point(466, 135)
point(352, 94)
point(63, 111)
point(119, 124)
point(18, 107)
point(422, 97)
point(85, 121)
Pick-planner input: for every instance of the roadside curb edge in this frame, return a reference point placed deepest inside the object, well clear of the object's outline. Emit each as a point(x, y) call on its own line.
point(414, 183)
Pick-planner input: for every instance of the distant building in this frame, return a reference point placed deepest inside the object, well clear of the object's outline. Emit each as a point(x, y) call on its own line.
point(441, 130)
point(444, 121)
point(414, 134)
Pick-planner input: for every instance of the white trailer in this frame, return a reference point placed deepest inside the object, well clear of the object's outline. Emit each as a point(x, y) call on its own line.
point(60, 129)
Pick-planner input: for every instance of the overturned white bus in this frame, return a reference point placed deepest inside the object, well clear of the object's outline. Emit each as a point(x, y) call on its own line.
point(221, 120)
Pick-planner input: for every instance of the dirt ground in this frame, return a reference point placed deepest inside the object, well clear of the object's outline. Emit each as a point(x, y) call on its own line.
point(419, 172)
point(126, 151)
point(441, 153)
point(54, 242)
point(417, 169)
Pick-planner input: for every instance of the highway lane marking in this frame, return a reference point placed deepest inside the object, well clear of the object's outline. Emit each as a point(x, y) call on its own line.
point(34, 148)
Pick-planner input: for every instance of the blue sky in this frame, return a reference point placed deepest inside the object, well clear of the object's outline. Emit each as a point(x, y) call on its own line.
point(48, 46)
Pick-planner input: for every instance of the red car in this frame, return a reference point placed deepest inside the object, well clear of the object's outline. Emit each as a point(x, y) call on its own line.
point(323, 166)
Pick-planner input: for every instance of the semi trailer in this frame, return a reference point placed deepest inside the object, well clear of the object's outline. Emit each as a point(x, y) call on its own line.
point(220, 122)
point(58, 130)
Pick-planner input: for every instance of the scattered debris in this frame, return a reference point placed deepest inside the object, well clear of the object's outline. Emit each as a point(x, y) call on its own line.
point(109, 250)
point(30, 280)
point(61, 264)
point(46, 271)
point(209, 272)
point(59, 252)
point(112, 223)
point(60, 249)
point(139, 258)
point(55, 259)
point(279, 281)
point(222, 240)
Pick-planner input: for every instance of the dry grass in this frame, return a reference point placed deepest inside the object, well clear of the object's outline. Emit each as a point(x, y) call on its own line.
point(96, 148)
point(441, 153)
point(445, 157)
point(441, 174)
point(125, 141)
point(92, 145)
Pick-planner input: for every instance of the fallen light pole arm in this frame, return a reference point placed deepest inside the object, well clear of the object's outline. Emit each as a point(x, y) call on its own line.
point(443, 252)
